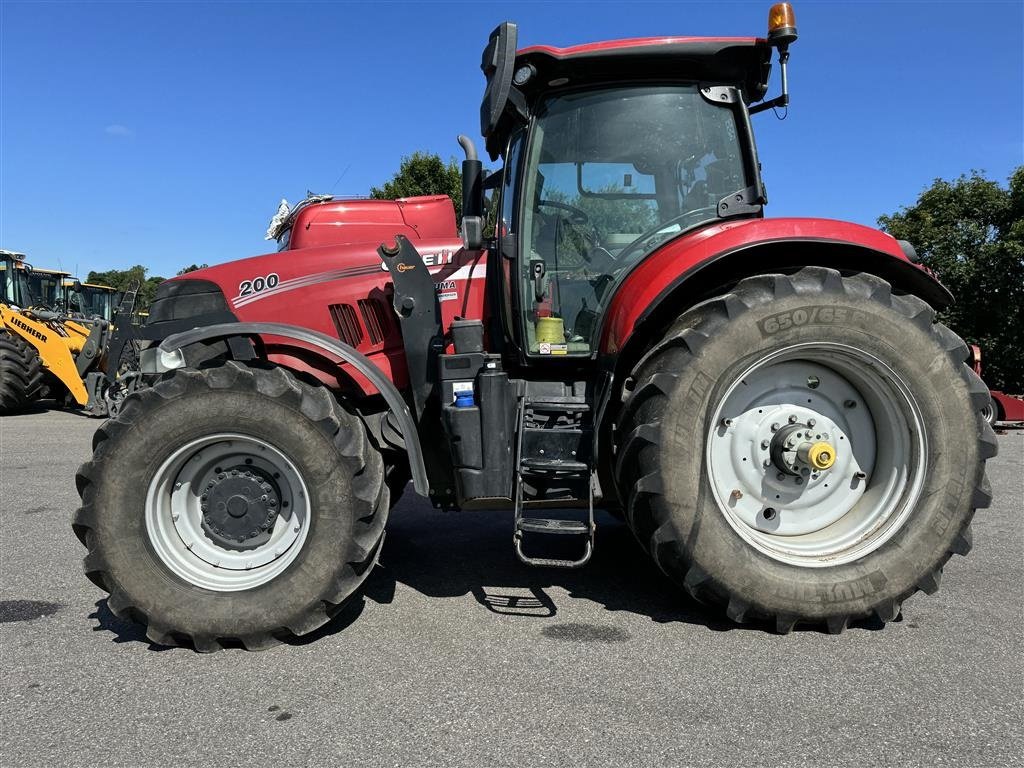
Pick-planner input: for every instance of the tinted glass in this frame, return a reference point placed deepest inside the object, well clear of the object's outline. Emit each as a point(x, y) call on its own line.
point(610, 176)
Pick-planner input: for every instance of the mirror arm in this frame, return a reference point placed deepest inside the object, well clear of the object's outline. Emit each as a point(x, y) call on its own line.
point(783, 99)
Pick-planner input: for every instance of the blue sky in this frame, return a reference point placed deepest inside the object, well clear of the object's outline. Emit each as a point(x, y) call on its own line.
point(166, 133)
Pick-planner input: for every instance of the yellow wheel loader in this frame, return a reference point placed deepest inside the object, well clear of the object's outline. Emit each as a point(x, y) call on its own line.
point(21, 371)
point(44, 352)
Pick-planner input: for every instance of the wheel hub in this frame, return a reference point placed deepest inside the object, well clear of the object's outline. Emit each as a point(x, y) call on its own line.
point(794, 444)
point(240, 507)
point(189, 487)
point(810, 451)
point(802, 448)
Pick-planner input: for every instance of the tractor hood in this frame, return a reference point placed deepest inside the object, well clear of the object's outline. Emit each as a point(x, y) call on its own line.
point(324, 220)
point(321, 239)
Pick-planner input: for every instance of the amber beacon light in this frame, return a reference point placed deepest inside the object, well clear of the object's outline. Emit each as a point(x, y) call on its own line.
point(781, 33)
point(781, 24)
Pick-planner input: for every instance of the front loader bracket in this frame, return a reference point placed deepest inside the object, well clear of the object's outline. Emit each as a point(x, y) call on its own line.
point(124, 332)
point(419, 314)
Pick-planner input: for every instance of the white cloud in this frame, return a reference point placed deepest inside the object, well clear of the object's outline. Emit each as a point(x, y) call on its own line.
point(118, 130)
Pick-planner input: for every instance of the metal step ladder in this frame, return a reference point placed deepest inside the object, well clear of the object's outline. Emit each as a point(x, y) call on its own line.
point(562, 465)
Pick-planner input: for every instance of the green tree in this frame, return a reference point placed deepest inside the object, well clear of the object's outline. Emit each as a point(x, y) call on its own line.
point(122, 279)
point(971, 233)
point(423, 173)
point(192, 268)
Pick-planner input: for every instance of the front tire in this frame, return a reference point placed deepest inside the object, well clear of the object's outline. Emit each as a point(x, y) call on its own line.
point(231, 505)
point(815, 365)
point(21, 374)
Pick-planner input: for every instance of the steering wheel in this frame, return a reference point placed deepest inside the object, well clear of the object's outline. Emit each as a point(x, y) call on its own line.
point(655, 230)
point(579, 216)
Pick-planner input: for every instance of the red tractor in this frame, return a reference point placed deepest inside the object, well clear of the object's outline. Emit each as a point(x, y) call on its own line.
point(768, 403)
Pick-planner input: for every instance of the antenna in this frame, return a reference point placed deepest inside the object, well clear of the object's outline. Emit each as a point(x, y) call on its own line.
point(337, 181)
point(333, 187)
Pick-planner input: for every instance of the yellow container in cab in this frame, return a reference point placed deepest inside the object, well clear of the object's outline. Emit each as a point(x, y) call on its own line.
point(550, 330)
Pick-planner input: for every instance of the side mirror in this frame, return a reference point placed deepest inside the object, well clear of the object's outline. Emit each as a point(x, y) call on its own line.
point(498, 62)
point(472, 197)
point(473, 233)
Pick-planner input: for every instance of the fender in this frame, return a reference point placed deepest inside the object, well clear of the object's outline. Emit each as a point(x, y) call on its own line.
point(683, 271)
point(325, 343)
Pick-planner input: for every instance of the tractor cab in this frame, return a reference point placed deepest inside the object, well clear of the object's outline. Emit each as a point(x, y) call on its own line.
point(610, 150)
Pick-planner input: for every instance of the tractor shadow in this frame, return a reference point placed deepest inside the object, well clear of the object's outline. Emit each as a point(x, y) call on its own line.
point(454, 554)
point(122, 630)
point(33, 409)
point(444, 555)
point(451, 555)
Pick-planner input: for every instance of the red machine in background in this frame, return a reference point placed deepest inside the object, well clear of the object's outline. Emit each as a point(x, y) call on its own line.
point(1003, 407)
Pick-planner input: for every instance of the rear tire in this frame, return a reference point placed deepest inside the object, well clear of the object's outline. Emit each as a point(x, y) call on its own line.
point(21, 373)
point(833, 565)
point(168, 567)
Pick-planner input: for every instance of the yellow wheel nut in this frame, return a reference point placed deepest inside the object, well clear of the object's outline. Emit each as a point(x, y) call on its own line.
point(821, 455)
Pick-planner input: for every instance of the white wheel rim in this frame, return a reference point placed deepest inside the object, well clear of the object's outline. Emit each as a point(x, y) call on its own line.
point(806, 515)
point(174, 513)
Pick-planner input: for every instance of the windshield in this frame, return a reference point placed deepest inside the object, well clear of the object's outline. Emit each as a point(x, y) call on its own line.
point(14, 287)
point(92, 301)
point(45, 288)
point(611, 175)
point(10, 290)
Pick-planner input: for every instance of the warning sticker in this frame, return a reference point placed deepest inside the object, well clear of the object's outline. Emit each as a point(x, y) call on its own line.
point(546, 348)
point(448, 296)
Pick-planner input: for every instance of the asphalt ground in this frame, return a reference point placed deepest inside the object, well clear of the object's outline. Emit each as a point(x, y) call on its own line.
point(459, 655)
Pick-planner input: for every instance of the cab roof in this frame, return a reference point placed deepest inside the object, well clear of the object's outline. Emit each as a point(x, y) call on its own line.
point(744, 62)
point(741, 61)
point(696, 47)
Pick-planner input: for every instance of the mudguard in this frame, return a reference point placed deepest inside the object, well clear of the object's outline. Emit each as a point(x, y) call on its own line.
point(324, 343)
point(721, 254)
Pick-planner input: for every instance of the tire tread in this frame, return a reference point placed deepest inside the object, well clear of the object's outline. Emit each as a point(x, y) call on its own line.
point(21, 374)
